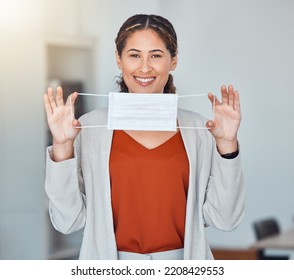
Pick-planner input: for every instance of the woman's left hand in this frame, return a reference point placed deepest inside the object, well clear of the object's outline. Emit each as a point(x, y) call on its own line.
point(227, 118)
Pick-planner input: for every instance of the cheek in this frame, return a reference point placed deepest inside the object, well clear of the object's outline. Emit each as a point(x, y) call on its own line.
point(164, 69)
point(128, 68)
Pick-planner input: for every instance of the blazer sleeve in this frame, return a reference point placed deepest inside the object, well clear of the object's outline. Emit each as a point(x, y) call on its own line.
point(225, 193)
point(65, 190)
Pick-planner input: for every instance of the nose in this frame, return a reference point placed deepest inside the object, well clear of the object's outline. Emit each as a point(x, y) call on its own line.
point(145, 66)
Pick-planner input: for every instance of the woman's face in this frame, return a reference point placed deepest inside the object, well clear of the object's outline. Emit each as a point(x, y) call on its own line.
point(145, 62)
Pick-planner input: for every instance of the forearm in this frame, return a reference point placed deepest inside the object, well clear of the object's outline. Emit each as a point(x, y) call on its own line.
point(225, 196)
point(64, 188)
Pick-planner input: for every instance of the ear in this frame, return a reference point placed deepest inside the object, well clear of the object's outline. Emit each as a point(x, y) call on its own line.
point(174, 62)
point(118, 60)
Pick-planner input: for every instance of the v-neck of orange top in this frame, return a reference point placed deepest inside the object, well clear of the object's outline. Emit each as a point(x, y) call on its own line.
point(166, 142)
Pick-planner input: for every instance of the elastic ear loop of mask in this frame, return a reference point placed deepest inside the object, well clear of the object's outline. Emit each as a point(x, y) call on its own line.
point(106, 95)
point(213, 111)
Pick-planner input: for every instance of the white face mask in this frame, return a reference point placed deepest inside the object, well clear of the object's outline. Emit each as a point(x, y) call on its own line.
point(142, 111)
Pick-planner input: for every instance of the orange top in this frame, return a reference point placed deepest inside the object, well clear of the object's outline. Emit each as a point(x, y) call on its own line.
point(149, 192)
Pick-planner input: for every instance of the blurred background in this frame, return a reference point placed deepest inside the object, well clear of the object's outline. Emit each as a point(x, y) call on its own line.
point(71, 42)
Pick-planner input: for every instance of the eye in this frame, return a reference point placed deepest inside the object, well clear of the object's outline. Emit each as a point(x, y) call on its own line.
point(156, 56)
point(134, 55)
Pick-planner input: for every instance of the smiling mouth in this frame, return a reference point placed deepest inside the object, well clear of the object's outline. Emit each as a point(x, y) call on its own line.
point(144, 81)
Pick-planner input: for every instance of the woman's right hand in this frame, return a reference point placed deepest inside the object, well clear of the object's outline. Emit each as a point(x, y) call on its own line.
point(62, 123)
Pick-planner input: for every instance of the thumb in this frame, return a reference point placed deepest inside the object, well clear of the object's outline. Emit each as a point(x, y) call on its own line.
point(209, 124)
point(212, 128)
point(76, 124)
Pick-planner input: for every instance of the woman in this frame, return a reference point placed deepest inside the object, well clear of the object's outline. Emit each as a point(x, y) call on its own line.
point(145, 194)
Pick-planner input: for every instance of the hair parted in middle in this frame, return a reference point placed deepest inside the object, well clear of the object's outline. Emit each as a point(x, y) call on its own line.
point(161, 26)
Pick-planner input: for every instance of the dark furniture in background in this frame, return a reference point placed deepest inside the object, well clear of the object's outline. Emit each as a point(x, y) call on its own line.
point(266, 228)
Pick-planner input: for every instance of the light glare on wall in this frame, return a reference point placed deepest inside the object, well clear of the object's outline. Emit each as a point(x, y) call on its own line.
point(20, 15)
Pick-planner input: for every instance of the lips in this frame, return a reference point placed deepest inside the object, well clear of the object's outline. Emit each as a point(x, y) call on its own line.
point(144, 81)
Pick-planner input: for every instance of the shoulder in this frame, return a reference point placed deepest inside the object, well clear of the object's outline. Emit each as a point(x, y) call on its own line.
point(193, 128)
point(95, 117)
point(87, 137)
point(190, 118)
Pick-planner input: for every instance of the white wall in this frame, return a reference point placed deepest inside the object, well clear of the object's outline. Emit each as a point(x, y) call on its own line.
point(22, 76)
point(24, 26)
point(249, 44)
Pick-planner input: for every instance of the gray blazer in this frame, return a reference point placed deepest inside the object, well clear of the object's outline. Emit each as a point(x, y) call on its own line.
point(79, 189)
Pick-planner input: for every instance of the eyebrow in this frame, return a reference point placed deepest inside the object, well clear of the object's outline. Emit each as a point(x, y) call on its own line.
point(152, 51)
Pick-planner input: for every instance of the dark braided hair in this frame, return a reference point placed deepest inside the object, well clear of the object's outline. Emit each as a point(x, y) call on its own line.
point(162, 27)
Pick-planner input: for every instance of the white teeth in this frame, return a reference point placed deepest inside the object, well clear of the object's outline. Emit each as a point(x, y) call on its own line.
point(146, 80)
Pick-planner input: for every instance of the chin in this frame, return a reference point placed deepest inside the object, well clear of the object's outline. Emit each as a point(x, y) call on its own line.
point(147, 90)
point(140, 91)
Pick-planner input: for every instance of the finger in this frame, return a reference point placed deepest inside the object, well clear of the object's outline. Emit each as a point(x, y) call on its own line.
point(71, 99)
point(70, 103)
point(48, 107)
point(76, 124)
point(213, 99)
point(209, 124)
point(213, 128)
point(51, 98)
point(224, 92)
point(59, 97)
point(237, 106)
point(231, 96)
